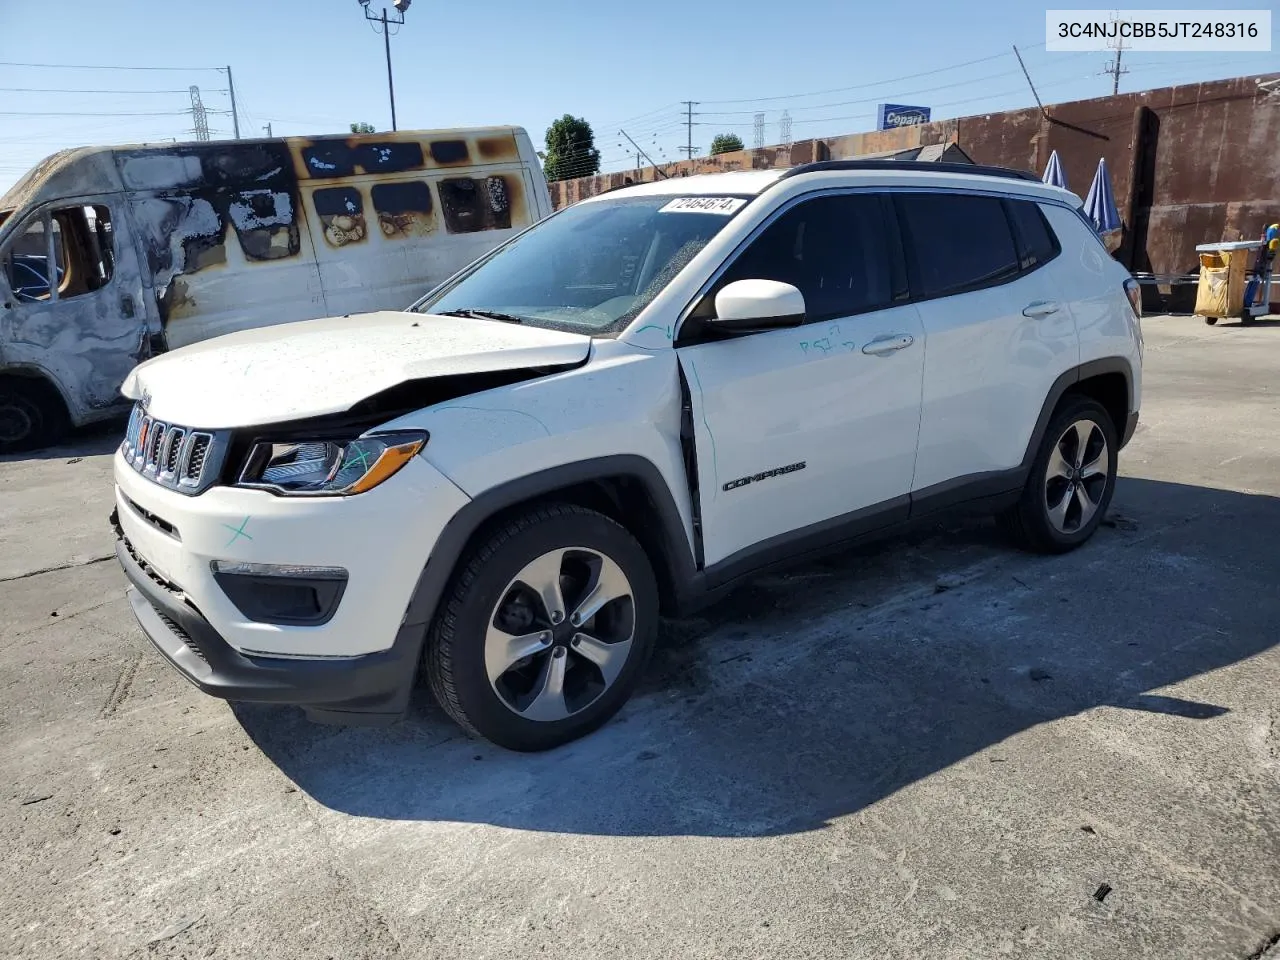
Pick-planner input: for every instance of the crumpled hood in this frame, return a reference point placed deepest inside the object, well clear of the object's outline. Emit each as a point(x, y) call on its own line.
point(316, 367)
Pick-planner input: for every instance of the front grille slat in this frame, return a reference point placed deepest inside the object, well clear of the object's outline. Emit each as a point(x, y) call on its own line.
point(173, 450)
point(155, 443)
point(172, 455)
point(196, 455)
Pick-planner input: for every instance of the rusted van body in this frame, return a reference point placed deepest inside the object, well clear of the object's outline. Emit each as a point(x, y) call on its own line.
point(155, 247)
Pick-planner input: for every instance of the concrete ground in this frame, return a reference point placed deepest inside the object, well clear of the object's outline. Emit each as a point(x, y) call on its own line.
point(935, 747)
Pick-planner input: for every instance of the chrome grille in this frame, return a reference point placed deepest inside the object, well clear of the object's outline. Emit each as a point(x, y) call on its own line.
point(174, 456)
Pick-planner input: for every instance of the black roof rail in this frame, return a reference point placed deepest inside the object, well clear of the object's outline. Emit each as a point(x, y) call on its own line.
point(973, 169)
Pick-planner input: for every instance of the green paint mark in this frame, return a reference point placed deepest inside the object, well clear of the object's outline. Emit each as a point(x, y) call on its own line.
point(715, 465)
point(653, 326)
point(362, 460)
point(238, 532)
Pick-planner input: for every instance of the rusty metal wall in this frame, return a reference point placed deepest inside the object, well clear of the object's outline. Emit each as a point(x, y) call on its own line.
point(1189, 164)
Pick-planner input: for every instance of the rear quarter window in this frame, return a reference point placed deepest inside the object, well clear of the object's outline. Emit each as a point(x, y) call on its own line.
point(1037, 244)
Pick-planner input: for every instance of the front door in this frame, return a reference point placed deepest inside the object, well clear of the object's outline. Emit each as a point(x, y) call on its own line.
point(809, 432)
point(75, 306)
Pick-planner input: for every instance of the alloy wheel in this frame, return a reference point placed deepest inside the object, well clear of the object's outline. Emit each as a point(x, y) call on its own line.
point(1076, 479)
point(560, 634)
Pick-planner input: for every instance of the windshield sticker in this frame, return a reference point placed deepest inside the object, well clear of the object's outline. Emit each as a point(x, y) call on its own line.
point(724, 206)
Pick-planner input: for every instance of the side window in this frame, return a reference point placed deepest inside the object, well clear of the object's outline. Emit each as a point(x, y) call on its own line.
point(341, 212)
point(403, 208)
point(837, 250)
point(956, 242)
point(83, 255)
point(1036, 243)
point(471, 205)
point(264, 222)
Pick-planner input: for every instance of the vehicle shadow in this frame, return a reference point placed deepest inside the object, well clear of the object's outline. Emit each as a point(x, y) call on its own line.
point(810, 696)
point(93, 440)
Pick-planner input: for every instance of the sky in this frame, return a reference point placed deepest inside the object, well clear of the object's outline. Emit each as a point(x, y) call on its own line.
point(314, 68)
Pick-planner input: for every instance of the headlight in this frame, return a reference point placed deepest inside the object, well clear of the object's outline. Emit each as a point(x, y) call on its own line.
point(332, 468)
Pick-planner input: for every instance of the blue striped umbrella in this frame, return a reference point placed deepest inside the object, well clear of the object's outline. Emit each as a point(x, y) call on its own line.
point(1100, 204)
point(1054, 174)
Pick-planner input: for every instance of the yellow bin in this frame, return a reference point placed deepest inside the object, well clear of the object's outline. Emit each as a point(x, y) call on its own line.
point(1222, 280)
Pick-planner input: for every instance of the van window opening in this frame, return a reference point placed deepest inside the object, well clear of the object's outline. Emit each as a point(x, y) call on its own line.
point(83, 255)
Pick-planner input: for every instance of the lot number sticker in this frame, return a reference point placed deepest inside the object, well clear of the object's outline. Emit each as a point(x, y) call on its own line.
point(725, 206)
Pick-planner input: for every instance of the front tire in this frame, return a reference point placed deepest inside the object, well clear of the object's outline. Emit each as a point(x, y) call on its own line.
point(1072, 480)
point(546, 629)
point(31, 415)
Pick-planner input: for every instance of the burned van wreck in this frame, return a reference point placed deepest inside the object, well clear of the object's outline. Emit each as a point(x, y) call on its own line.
point(110, 255)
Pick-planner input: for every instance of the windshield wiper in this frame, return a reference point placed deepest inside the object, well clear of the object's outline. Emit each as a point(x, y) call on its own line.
point(483, 315)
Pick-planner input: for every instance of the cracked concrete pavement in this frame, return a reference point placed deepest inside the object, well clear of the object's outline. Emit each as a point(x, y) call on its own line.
point(935, 746)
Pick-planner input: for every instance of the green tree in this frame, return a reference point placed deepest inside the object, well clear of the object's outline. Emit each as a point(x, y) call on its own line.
point(571, 149)
point(362, 128)
point(726, 143)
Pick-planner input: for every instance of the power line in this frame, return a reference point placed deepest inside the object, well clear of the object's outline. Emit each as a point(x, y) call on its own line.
point(875, 99)
point(114, 92)
point(100, 113)
point(85, 66)
point(877, 83)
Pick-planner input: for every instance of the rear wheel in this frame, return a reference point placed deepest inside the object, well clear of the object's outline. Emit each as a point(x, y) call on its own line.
point(1072, 480)
point(546, 629)
point(31, 415)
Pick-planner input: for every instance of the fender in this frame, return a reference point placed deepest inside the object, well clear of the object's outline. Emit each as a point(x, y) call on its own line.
point(406, 649)
point(1064, 383)
point(458, 532)
point(991, 492)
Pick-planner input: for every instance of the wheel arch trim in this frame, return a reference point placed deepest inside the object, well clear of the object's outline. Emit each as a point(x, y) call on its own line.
point(1065, 382)
point(450, 546)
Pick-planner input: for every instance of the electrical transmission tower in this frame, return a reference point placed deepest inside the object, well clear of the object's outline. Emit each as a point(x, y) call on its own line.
point(198, 115)
point(757, 138)
point(784, 128)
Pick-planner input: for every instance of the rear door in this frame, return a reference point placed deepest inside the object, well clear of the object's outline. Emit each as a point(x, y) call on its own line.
point(998, 334)
point(805, 430)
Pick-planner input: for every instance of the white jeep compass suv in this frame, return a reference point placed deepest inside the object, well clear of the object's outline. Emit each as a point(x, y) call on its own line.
point(631, 407)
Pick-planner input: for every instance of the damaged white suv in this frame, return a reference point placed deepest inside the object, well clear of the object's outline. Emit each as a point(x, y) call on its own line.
point(624, 411)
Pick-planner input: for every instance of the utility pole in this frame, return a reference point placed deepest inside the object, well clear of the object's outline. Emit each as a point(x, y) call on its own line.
point(268, 129)
point(1114, 69)
point(1043, 112)
point(391, 83)
point(199, 117)
point(235, 116)
point(689, 105)
point(387, 24)
point(656, 169)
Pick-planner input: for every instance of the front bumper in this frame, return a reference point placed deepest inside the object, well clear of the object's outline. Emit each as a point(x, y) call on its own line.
point(377, 684)
point(361, 659)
